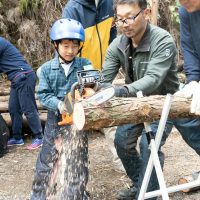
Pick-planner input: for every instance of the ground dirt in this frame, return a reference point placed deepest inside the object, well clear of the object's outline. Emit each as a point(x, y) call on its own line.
point(17, 168)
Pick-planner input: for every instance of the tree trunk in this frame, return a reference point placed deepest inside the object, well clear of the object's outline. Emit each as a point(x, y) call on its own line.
point(120, 111)
point(70, 169)
point(154, 12)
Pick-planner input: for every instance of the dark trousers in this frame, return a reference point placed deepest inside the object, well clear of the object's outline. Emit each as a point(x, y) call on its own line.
point(76, 169)
point(22, 101)
point(134, 163)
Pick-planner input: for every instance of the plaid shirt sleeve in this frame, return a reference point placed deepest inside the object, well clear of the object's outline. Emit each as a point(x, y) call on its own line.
point(45, 93)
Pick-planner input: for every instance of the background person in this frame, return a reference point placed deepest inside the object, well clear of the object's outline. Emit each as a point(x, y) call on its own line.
point(97, 18)
point(190, 45)
point(22, 94)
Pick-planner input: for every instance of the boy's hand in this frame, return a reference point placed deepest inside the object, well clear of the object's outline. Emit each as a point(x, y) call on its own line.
point(62, 107)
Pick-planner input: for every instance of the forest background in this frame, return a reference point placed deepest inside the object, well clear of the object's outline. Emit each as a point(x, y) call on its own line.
point(26, 24)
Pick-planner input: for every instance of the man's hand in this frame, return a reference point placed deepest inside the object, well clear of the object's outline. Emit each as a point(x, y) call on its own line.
point(121, 91)
point(62, 107)
point(192, 90)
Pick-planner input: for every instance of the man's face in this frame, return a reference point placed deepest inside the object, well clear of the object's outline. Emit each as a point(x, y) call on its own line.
point(131, 20)
point(190, 5)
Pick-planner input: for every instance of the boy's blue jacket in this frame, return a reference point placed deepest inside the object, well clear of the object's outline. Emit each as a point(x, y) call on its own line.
point(97, 23)
point(190, 43)
point(54, 85)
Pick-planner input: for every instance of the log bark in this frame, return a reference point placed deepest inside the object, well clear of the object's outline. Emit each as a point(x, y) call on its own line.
point(120, 111)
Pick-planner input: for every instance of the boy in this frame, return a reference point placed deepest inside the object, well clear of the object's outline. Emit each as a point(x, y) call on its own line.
point(56, 79)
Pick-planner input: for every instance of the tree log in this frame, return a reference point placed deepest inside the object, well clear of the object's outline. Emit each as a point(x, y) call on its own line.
point(42, 115)
point(118, 111)
point(5, 98)
point(4, 91)
point(4, 106)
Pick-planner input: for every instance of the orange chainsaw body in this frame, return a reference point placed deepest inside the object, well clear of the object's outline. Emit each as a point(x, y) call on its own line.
point(67, 119)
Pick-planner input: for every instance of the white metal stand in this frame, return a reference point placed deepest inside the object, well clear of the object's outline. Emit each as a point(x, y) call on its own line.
point(154, 161)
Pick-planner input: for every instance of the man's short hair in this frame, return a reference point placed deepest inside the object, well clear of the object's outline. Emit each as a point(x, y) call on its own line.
point(140, 3)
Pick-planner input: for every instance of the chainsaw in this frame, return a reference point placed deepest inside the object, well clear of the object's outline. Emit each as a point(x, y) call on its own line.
point(88, 81)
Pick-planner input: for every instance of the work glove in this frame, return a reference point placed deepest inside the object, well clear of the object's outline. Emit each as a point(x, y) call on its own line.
point(191, 90)
point(121, 91)
point(195, 105)
point(62, 107)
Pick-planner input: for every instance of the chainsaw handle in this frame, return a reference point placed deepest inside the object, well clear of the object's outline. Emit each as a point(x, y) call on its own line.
point(72, 91)
point(98, 86)
point(66, 120)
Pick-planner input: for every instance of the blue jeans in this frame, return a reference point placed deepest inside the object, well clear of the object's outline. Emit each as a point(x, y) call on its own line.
point(135, 164)
point(190, 131)
point(22, 101)
point(75, 173)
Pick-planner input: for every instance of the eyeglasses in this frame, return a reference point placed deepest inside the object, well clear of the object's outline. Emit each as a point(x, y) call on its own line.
point(129, 20)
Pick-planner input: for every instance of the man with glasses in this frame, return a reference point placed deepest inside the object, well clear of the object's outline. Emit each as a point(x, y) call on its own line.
point(146, 54)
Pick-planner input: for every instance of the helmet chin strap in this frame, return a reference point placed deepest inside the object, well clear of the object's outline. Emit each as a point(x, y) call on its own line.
point(63, 59)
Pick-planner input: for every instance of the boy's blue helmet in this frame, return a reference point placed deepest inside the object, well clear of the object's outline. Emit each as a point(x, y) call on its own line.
point(67, 29)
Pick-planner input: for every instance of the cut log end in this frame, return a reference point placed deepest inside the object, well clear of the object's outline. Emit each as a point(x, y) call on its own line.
point(79, 116)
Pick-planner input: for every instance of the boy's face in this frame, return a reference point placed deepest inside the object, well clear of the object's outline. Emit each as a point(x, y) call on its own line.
point(68, 49)
point(190, 5)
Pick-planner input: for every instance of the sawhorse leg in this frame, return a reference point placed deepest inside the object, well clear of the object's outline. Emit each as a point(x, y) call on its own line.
point(159, 134)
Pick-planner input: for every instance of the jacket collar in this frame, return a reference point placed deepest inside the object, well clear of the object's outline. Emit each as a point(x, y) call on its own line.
point(144, 44)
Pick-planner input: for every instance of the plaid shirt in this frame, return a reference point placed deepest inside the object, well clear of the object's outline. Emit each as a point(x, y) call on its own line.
point(53, 83)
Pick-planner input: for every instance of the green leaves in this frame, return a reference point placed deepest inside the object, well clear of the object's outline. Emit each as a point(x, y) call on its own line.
point(174, 14)
point(29, 4)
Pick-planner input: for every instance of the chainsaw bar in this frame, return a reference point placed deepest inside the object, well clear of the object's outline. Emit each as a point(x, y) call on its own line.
point(101, 96)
